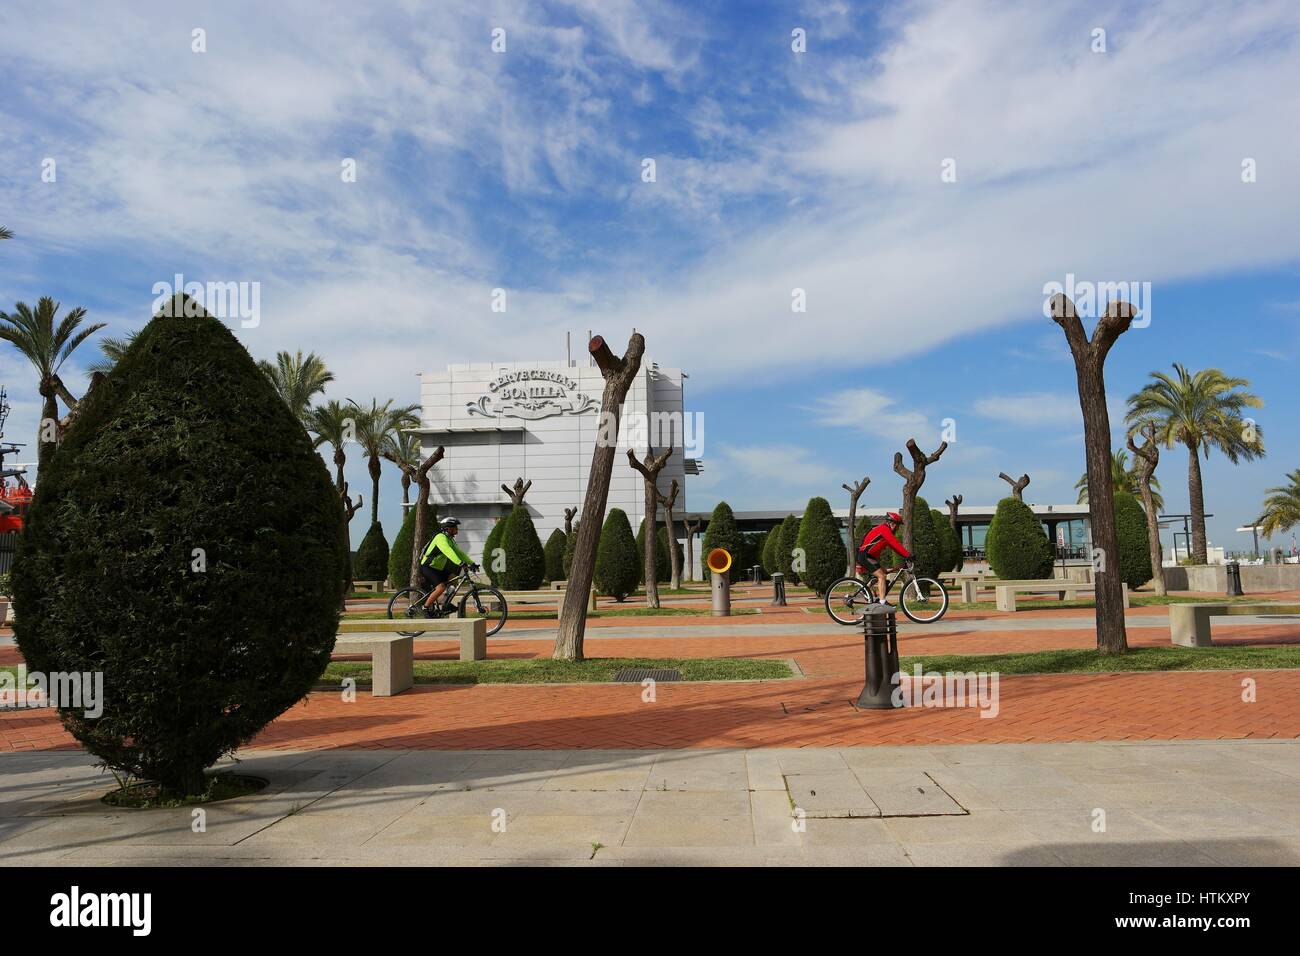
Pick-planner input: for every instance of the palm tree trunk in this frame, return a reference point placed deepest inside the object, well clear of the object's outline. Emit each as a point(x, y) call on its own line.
point(1196, 498)
point(49, 414)
point(374, 490)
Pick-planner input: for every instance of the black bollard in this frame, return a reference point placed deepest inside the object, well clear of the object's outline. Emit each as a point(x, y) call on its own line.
point(1233, 570)
point(880, 635)
point(778, 590)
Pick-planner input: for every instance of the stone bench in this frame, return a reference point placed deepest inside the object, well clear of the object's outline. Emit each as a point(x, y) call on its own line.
point(392, 660)
point(1006, 591)
point(471, 632)
point(375, 586)
point(1189, 624)
point(552, 598)
point(558, 585)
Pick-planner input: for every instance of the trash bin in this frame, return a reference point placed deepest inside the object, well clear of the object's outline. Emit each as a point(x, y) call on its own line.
point(778, 590)
point(1234, 579)
point(880, 636)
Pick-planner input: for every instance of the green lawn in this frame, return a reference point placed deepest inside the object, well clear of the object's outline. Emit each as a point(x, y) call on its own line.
point(1086, 660)
point(544, 670)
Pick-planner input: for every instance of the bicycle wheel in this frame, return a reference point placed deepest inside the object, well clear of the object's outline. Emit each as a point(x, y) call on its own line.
point(487, 603)
point(408, 602)
point(847, 601)
point(920, 606)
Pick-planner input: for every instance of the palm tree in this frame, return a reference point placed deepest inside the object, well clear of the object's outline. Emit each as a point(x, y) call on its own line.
point(112, 350)
point(1281, 507)
point(377, 426)
point(1122, 478)
point(47, 346)
point(6, 233)
point(1201, 410)
point(297, 379)
point(333, 423)
point(404, 452)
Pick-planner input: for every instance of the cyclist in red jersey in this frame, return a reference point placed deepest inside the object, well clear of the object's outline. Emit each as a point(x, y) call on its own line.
point(874, 542)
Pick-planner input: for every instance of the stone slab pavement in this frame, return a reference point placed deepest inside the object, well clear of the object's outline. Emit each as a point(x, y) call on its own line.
point(1228, 803)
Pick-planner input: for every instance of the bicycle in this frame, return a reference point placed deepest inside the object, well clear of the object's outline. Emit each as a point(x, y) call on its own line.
point(483, 601)
point(849, 598)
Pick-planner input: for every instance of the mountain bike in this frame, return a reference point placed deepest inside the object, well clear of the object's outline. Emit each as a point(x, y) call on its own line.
point(478, 600)
point(923, 600)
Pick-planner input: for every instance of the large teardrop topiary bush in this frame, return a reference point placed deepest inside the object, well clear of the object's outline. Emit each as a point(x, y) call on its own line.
point(494, 552)
point(399, 558)
point(525, 559)
point(371, 563)
point(663, 570)
point(722, 532)
point(1016, 544)
point(1131, 536)
point(554, 552)
point(187, 542)
point(823, 547)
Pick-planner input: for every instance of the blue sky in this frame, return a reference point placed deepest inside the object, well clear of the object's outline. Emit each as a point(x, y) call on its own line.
point(775, 170)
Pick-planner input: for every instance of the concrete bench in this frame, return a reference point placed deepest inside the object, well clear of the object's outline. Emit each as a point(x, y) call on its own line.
point(1064, 590)
point(1189, 624)
point(392, 660)
point(558, 585)
point(375, 586)
point(471, 632)
point(551, 598)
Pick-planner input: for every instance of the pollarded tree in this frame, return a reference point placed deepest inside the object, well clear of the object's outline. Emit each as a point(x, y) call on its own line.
point(913, 479)
point(953, 504)
point(823, 548)
point(1131, 536)
point(425, 513)
point(1018, 485)
point(660, 555)
point(525, 560)
point(1145, 459)
point(180, 600)
point(855, 491)
point(676, 549)
point(554, 552)
point(722, 533)
point(787, 540)
point(669, 501)
point(649, 472)
point(618, 373)
point(617, 567)
point(569, 543)
point(1016, 544)
point(494, 552)
point(372, 555)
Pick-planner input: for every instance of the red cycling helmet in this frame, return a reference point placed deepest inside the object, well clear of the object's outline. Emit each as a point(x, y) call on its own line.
point(895, 517)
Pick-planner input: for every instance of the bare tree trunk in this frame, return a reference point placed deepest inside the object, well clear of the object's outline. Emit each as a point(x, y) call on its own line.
point(649, 471)
point(913, 479)
point(49, 414)
point(1146, 458)
point(420, 533)
point(568, 520)
point(855, 492)
point(1018, 485)
point(517, 493)
point(349, 509)
point(668, 501)
point(1089, 359)
point(1196, 497)
point(619, 374)
point(690, 527)
point(953, 504)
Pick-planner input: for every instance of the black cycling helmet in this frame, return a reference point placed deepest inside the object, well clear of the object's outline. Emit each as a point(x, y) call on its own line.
point(449, 523)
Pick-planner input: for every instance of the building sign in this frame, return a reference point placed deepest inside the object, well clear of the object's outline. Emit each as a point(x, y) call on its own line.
point(531, 394)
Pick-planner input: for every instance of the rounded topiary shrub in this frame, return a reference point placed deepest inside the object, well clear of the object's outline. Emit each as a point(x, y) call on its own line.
point(554, 553)
point(371, 563)
point(569, 546)
point(525, 560)
point(1016, 544)
point(494, 563)
point(618, 563)
point(722, 532)
point(185, 541)
point(1131, 535)
point(819, 536)
point(399, 558)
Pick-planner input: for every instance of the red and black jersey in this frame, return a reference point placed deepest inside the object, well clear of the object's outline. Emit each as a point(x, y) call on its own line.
point(878, 538)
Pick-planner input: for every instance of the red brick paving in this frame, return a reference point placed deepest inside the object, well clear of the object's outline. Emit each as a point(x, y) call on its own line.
point(812, 712)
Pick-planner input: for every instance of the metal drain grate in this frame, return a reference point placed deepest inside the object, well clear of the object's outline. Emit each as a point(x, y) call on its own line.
point(635, 675)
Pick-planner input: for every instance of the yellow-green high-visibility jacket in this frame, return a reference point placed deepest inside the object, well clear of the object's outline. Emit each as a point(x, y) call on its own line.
point(441, 550)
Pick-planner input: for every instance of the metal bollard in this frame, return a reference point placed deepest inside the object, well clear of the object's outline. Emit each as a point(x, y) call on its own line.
point(778, 590)
point(719, 564)
point(880, 636)
point(1233, 570)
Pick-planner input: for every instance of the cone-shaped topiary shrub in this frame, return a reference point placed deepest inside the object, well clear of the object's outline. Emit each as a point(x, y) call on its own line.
point(185, 541)
point(769, 551)
point(399, 558)
point(525, 560)
point(372, 556)
point(819, 536)
point(494, 563)
point(721, 533)
point(569, 545)
point(1016, 544)
point(787, 540)
point(1131, 535)
point(663, 571)
point(554, 552)
point(618, 563)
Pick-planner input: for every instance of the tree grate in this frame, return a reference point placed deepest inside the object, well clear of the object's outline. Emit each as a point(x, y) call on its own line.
point(635, 675)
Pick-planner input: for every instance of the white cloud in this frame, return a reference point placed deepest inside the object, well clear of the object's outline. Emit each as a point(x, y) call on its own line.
point(873, 413)
point(1030, 408)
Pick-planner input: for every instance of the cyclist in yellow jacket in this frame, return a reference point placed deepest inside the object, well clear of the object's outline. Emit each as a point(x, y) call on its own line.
point(441, 561)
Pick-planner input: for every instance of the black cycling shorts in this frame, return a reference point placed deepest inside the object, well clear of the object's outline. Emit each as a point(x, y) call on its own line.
point(432, 577)
point(871, 564)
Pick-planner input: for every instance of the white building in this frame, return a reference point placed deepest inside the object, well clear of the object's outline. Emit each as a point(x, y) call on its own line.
point(538, 421)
